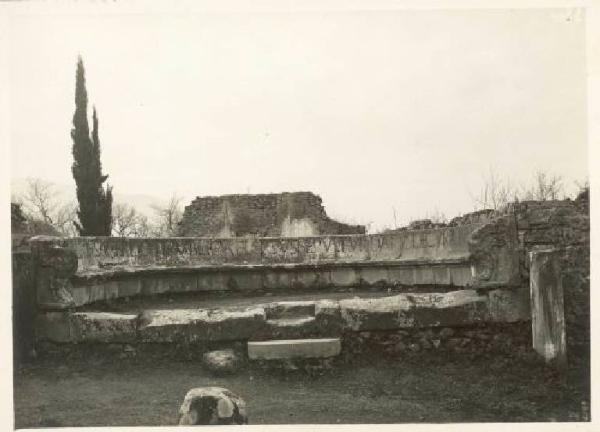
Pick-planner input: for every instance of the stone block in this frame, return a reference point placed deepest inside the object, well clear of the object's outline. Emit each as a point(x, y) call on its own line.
point(221, 361)
point(424, 275)
point(290, 309)
point(81, 295)
point(509, 305)
point(193, 325)
point(294, 348)
point(75, 327)
point(245, 281)
point(328, 318)
point(461, 276)
point(290, 328)
point(414, 310)
point(130, 287)
point(441, 275)
point(547, 307)
point(308, 279)
point(156, 284)
point(111, 289)
point(212, 406)
point(212, 281)
point(103, 327)
point(53, 326)
point(376, 314)
point(344, 277)
point(401, 275)
point(97, 292)
point(276, 279)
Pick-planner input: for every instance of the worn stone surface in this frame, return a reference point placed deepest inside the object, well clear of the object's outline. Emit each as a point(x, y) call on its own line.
point(222, 361)
point(509, 305)
point(97, 256)
point(291, 320)
point(190, 325)
point(414, 310)
point(547, 307)
point(493, 248)
point(212, 406)
point(294, 348)
point(91, 287)
point(290, 309)
point(514, 339)
point(87, 327)
point(54, 265)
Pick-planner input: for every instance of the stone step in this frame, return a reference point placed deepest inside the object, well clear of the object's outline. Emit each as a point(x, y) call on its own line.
point(290, 309)
point(291, 322)
point(293, 328)
point(287, 320)
point(294, 348)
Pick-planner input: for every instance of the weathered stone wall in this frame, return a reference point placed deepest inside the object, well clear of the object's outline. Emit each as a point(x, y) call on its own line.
point(23, 305)
point(294, 214)
point(575, 266)
point(106, 253)
point(505, 338)
point(78, 271)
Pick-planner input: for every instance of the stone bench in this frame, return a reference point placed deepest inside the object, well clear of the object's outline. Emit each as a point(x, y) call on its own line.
point(77, 271)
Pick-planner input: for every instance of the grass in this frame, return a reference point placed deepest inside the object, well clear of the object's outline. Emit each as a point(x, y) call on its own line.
point(420, 388)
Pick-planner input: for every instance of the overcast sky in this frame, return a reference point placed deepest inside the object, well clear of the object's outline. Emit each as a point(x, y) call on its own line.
point(371, 110)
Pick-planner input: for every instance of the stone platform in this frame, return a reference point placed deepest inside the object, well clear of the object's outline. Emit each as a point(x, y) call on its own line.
point(266, 318)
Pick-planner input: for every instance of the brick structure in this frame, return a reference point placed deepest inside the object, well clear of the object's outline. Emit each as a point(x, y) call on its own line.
point(289, 214)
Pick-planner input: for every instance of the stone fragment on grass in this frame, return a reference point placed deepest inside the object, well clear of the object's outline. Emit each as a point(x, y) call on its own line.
point(221, 361)
point(212, 406)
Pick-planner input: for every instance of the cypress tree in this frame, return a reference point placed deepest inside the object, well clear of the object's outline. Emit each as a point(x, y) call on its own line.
point(95, 202)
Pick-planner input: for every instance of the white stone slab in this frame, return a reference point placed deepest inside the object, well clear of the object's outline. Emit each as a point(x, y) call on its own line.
point(294, 348)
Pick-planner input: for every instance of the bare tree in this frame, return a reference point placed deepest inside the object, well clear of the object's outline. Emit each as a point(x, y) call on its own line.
point(127, 222)
point(495, 193)
point(41, 203)
point(39, 200)
point(546, 186)
point(142, 228)
point(168, 217)
point(436, 216)
point(65, 218)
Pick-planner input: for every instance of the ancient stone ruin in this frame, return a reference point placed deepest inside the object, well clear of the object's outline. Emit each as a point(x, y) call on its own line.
point(296, 214)
point(314, 297)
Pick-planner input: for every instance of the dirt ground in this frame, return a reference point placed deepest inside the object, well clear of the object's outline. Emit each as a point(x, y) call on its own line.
point(139, 390)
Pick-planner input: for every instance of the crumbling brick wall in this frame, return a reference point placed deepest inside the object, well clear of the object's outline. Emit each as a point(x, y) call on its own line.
point(565, 225)
point(264, 215)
